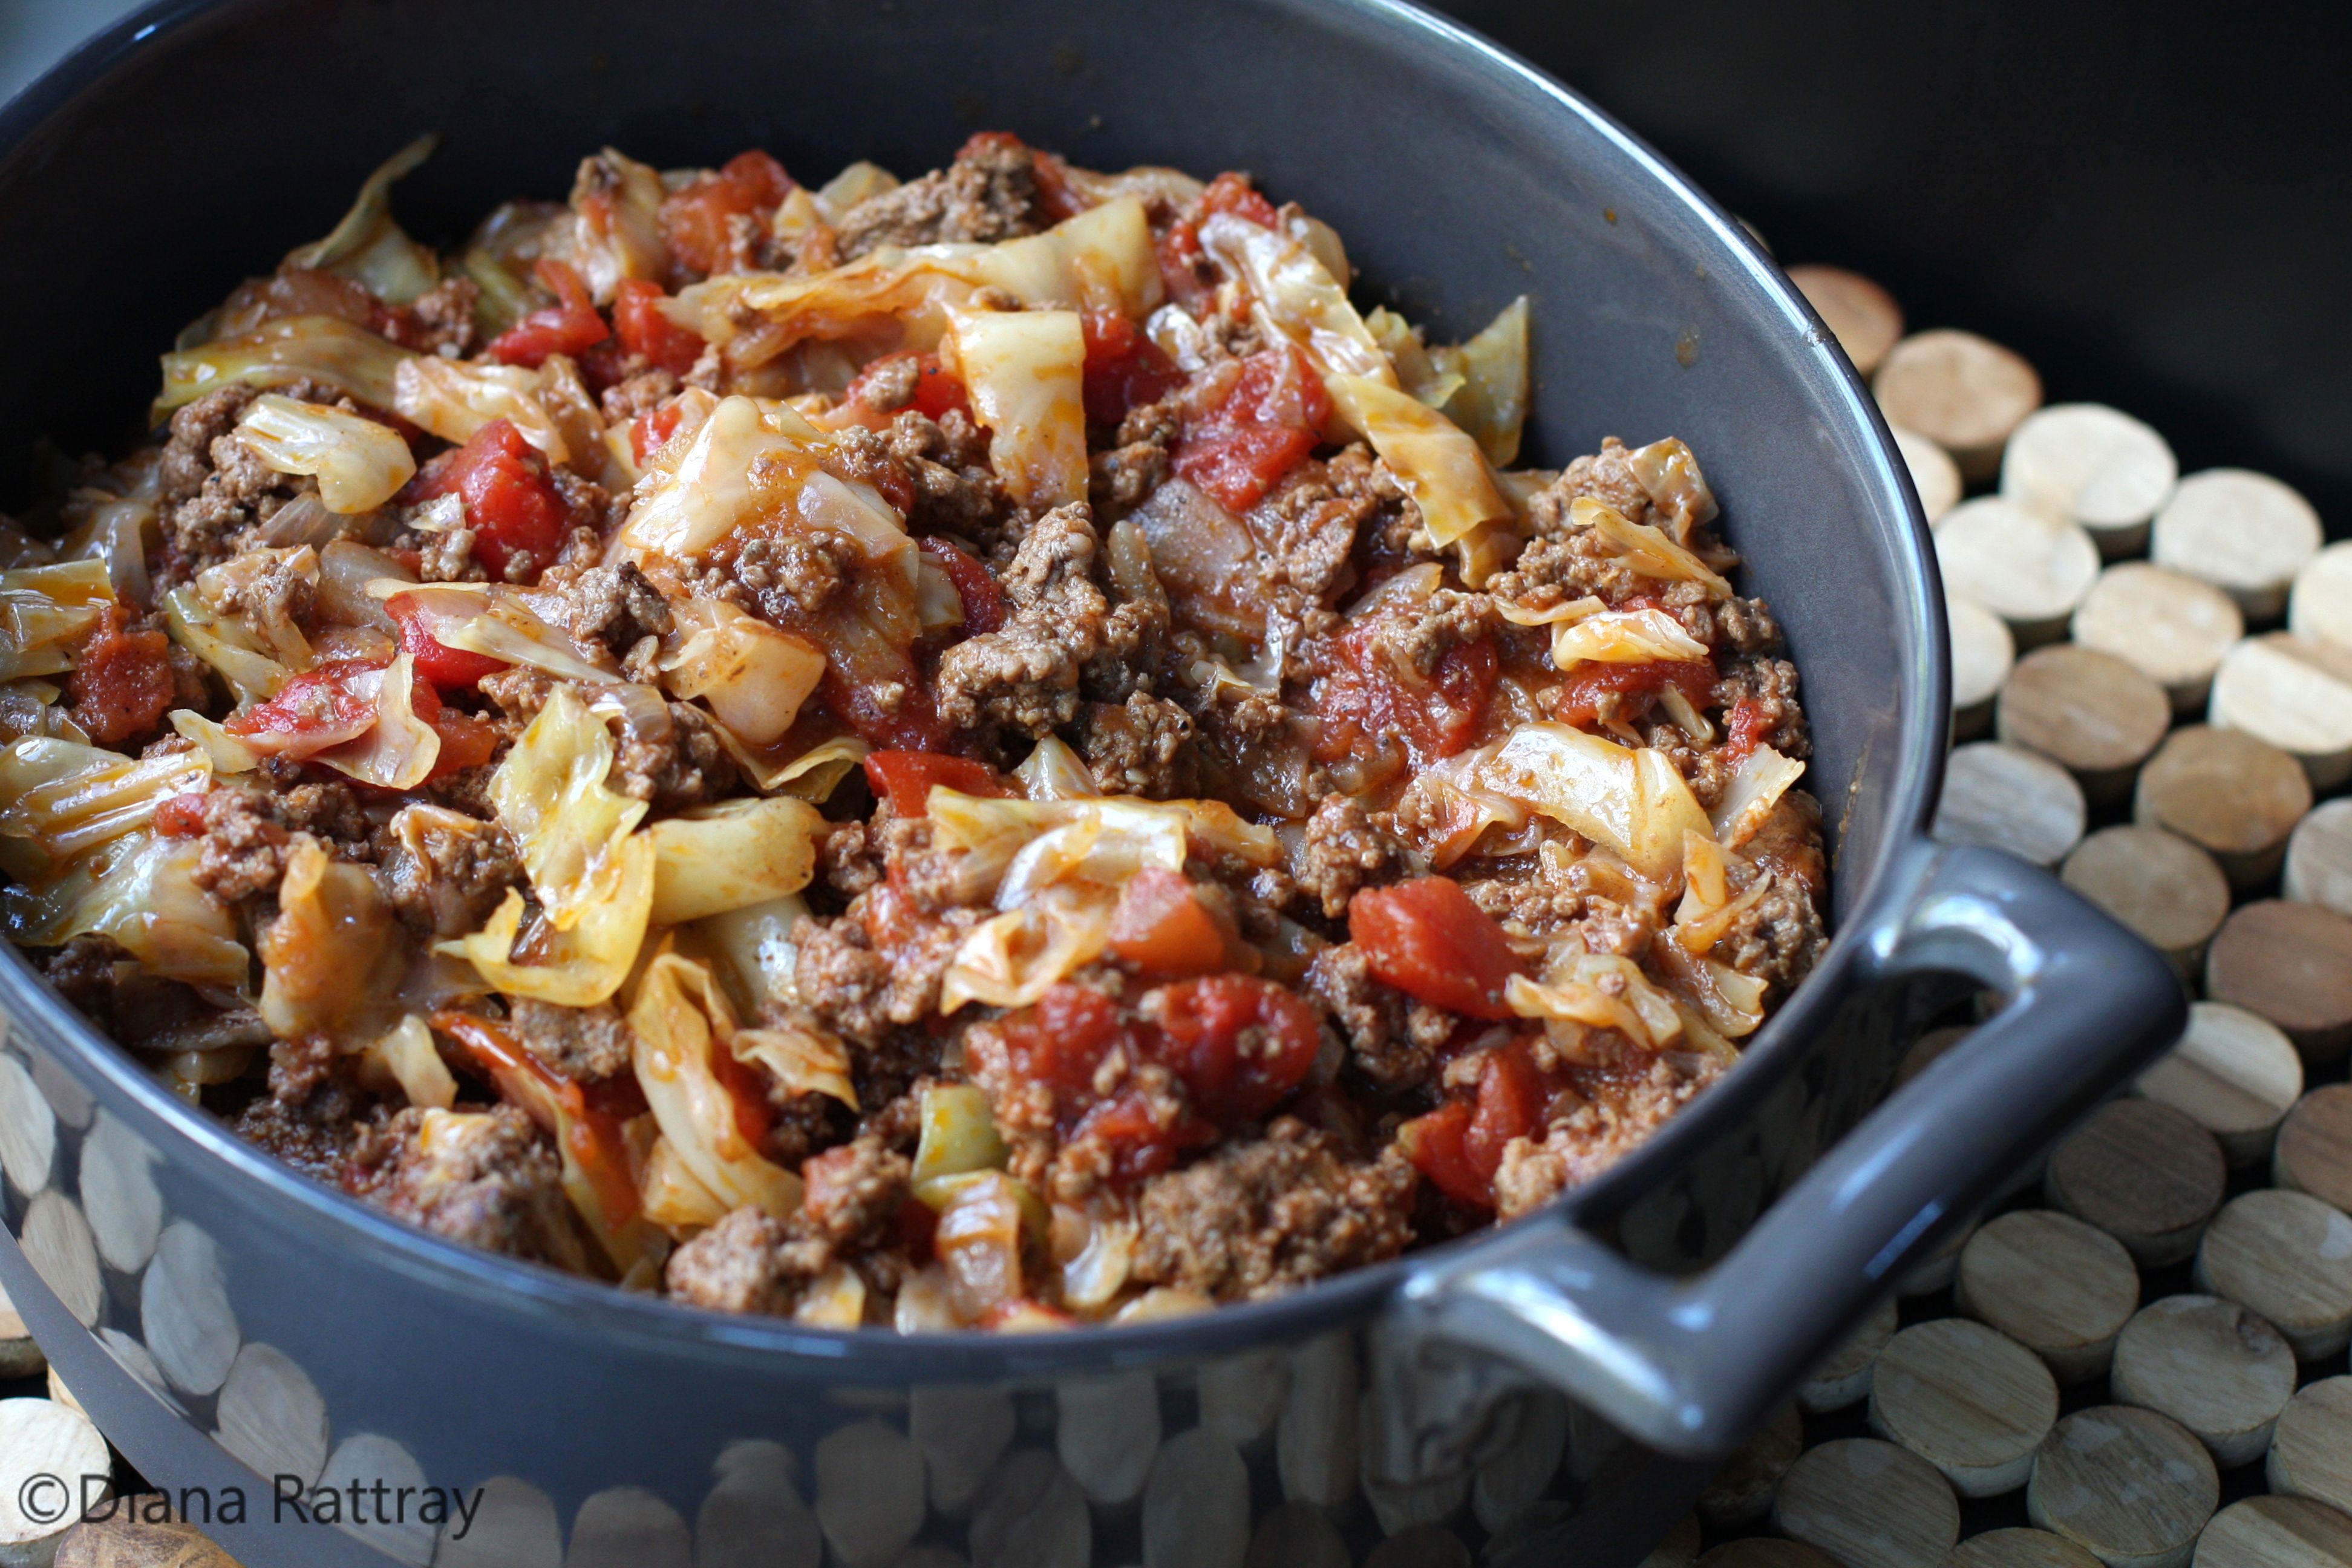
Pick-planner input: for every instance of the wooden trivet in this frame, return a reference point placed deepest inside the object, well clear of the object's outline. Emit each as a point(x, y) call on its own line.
point(2276, 1532)
point(2314, 1146)
point(2235, 1074)
point(2060, 1288)
point(2165, 889)
point(2030, 570)
point(1983, 654)
point(2288, 1257)
point(2129, 1486)
point(2292, 965)
point(2244, 532)
point(2019, 1549)
point(1869, 1504)
point(2090, 712)
point(2171, 627)
point(2005, 797)
point(2320, 857)
point(2144, 1173)
point(1970, 1400)
point(1862, 316)
point(2294, 693)
point(1742, 1490)
point(2311, 1453)
point(2096, 465)
point(2219, 1369)
point(1843, 1378)
point(2230, 795)
point(1962, 392)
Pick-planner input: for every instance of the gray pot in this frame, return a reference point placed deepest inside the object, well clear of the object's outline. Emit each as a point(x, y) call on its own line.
point(227, 1321)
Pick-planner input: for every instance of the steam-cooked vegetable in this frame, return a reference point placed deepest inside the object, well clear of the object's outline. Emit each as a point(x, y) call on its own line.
point(732, 855)
point(615, 229)
point(1489, 400)
point(959, 1135)
point(1630, 799)
point(754, 949)
point(44, 608)
point(334, 954)
point(1604, 991)
point(1296, 298)
point(250, 591)
point(754, 676)
point(368, 247)
point(1669, 475)
point(1755, 787)
point(493, 621)
point(801, 1058)
point(360, 463)
point(292, 348)
point(116, 529)
point(454, 398)
point(750, 458)
point(1442, 468)
point(1644, 549)
point(1025, 369)
point(405, 1055)
point(682, 1024)
point(1623, 636)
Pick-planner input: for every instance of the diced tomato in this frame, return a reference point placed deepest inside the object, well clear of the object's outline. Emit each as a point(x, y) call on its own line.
point(753, 1115)
point(638, 322)
point(466, 741)
point(905, 778)
point(937, 388)
point(912, 724)
point(1240, 1043)
point(1161, 927)
point(975, 585)
point(1510, 1104)
point(1264, 424)
point(652, 428)
point(1141, 1146)
point(1178, 252)
point(511, 504)
point(1060, 1041)
point(449, 668)
point(590, 1124)
point(1745, 728)
point(1231, 192)
point(570, 326)
point(1426, 938)
point(698, 221)
point(1586, 694)
point(1365, 697)
point(121, 682)
point(1434, 1144)
point(181, 817)
point(316, 710)
point(1124, 368)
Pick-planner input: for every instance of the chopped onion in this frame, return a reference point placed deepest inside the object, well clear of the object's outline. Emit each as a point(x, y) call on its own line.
point(756, 945)
point(115, 531)
point(345, 570)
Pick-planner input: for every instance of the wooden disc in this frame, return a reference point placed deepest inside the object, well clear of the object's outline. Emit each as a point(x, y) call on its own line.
point(1971, 1401)
point(39, 1438)
point(2294, 693)
point(2129, 1486)
point(2170, 626)
point(2060, 1288)
point(1742, 1490)
point(2019, 1549)
point(1869, 1504)
point(2292, 965)
point(2276, 1532)
point(135, 1538)
point(2233, 795)
point(2244, 532)
point(2234, 1073)
point(1843, 1376)
point(2220, 1371)
point(2144, 1173)
point(2320, 857)
point(2030, 570)
point(1933, 473)
point(2090, 712)
point(20, 1356)
point(2098, 465)
point(1678, 1550)
point(1983, 653)
point(1963, 392)
point(1865, 317)
point(2320, 603)
point(2311, 1453)
point(1767, 1551)
point(2314, 1146)
point(2288, 1257)
point(2005, 797)
point(1935, 1272)
point(2168, 890)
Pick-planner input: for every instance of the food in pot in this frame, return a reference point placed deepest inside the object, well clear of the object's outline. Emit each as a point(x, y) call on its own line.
point(989, 751)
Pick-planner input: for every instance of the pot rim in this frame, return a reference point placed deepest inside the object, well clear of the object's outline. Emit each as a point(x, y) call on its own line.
point(869, 1355)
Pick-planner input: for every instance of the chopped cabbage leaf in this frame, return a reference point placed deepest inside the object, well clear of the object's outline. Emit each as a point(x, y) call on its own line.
point(732, 855)
point(1755, 787)
point(44, 608)
point(959, 1133)
point(1630, 799)
point(751, 458)
point(1490, 376)
point(238, 592)
point(1668, 473)
point(1013, 959)
point(1441, 467)
point(681, 1019)
point(223, 643)
point(335, 954)
point(398, 751)
point(1023, 369)
point(368, 247)
point(1451, 806)
point(405, 1057)
point(1006, 849)
point(59, 799)
point(454, 398)
point(1645, 549)
point(574, 968)
point(499, 620)
point(116, 529)
point(803, 1059)
point(1623, 636)
point(614, 230)
point(1603, 991)
point(1053, 771)
point(573, 830)
point(1400, 341)
point(755, 945)
point(754, 676)
point(141, 889)
point(329, 349)
point(1295, 297)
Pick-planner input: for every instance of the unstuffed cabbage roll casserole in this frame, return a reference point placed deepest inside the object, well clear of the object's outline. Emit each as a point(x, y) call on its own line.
point(991, 751)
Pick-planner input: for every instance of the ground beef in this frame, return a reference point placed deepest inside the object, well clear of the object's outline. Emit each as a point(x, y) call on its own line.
point(1124, 477)
point(640, 393)
point(1606, 475)
point(1142, 746)
point(946, 466)
point(1552, 899)
point(299, 1068)
point(1309, 523)
point(791, 578)
point(615, 605)
point(689, 767)
point(1771, 685)
point(443, 872)
point(487, 1179)
point(1343, 849)
point(586, 1044)
point(988, 193)
point(1391, 1040)
point(84, 972)
point(122, 680)
point(854, 1193)
point(748, 1262)
point(1552, 570)
point(320, 1150)
point(219, 485)
point(1252, 1218)
point(250, 824)
point(889, 383)
point(1781, 937)
point(849, 860)
point(441, 319)
point(857, 990)
point(1623, 1107)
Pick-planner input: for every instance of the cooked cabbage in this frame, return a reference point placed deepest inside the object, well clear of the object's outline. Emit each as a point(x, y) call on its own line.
point(803, 1059)
point(1400, 341)
point(223, 644)
point(398, 751)
point(754, 676)
point(835, 1298)
point(1630, 800)
point(1668, 473)
point(141, 889)
point(368, 247)
point(44, 608)
point(332, 958)
point(854, 184)
point(1013, 959)
point(1755, 787)
point(115, 529)
point(1489, 372)
point(1730, 1003)
point(454, 398)
point(499, 620)
point(1452, 806)
point(292, 348)
point(29, 708)
point(242, 591)
point(1025, 369)
point(1439, 465)
point(1053, 771)
point(615, 229)
point(498, 259)
point(61, 798)
point(680, 1018)
point(1295, 299)
point(1621, 636)
point(755, 946)
point(1006, 849)
point(959, 1133)
point(748, 458)
point(346, 568)
point(1603, 991)
point(812, 775)
point(711, 859)
point(1644, 549)
point(1101, 258)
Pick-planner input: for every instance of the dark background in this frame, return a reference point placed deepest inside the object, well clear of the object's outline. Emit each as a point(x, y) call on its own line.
point(2153, 201)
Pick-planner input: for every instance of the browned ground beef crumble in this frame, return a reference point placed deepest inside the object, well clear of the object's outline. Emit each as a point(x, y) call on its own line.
point(795, 813)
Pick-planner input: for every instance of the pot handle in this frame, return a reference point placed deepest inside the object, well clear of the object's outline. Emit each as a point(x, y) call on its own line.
point(1690, 1366)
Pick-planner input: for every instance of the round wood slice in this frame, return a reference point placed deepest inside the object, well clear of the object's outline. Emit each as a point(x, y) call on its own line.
point(2213, 1367)
point(2005, 797)
point(2234, 1073)
point(2164, 887)
point(2030, 570)
point(2144, 1173)
point(2320, 603)
point(2292, 965)
point(2276, 1532)
point(1767, 1551)
point(1742, 1490)
point(1963, 392)
point(2060, 1288)
point(20, 1356)
point(1935, 1272)
point(2019, 1549)
point(1869, 1504)
point(126, 1541)
point(2090, 712)
point(2233, 795)
point(2294, 693)
point(2171, 627)
point(1983, 653)
point(1971, 1401)
point(2311, 1453)
point(1843, 1377)
point(2288, 1257)
point(2098, 465)
point(41, 1438)
point(2129, 1486)
point(2314, 1146)
point(1678, 1550)
point(1863, 317)
point(2320, 857)
point(2244, 532)
point(1933, 473)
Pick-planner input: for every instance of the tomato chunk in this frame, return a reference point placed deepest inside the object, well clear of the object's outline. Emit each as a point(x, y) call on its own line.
point(1060, 1041)
point(1365, 698)
point(466, 741)
point(1434, 1144)
point(905, 778)
point(1124, 369)
point(1231, 192)
point(638, 322)
point(984, 601)
point(1262, 423)
point(570, 326)
point(1510, 1104)
point(1745, 728)
point(181, 817)
point(652, 428)
point(122, 681)
point(1161, 927)
point(449, 668)
point(1426, 938)
point(1594, 690)
point(1240, 1043)
point(699, 222)
point(511, 504)
point(588, 1124)
point(937, 388)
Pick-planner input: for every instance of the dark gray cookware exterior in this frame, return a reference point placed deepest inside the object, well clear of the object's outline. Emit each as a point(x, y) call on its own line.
point(228, 1321)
